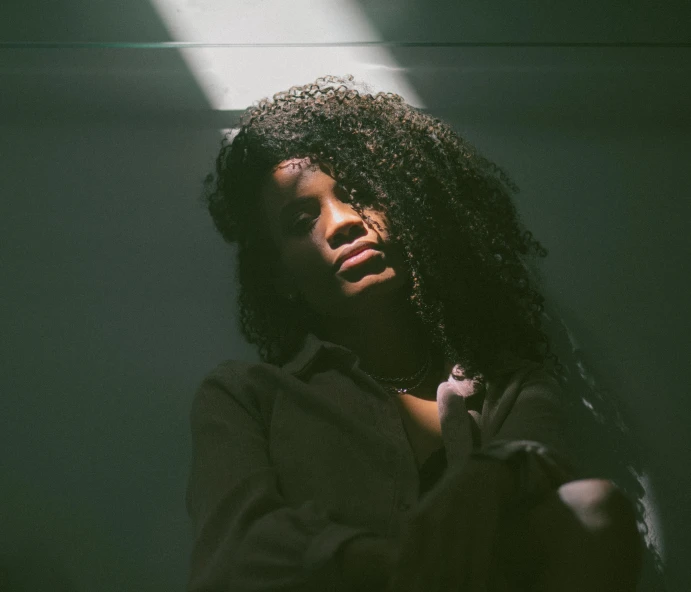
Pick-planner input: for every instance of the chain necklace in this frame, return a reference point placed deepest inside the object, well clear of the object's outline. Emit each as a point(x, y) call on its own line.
point(416, 378)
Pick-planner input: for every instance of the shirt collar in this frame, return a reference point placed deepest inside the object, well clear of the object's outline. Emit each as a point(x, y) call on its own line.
point(312, 349)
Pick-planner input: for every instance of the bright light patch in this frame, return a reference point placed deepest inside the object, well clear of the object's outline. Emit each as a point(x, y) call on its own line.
point(652, 520)
point(234, 77)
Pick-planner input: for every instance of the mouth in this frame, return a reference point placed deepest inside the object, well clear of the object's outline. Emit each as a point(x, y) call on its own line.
point(353, 251)
point(358, 258)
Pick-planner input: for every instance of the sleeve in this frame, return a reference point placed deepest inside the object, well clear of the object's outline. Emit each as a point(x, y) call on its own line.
point(246, 537)
point(526, 430)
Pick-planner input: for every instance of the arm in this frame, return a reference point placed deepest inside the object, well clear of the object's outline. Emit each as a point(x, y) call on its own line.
point(246, 537)
point(448, 543)
point(364, 555)
point(525, 430)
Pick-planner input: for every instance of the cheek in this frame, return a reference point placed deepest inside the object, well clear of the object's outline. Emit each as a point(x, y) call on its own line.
point(314, 278)
point(306, 267)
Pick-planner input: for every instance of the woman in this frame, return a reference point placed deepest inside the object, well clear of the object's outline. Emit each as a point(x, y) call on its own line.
point(402, 431)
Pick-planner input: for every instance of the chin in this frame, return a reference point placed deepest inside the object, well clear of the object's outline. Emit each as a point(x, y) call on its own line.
point(371, 286)
point(368, 288)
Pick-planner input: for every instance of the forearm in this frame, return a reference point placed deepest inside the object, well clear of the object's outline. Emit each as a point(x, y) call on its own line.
point(367, 561)
point(491, 478)
point(450, 534)
point(495, 473)
point(537, 469)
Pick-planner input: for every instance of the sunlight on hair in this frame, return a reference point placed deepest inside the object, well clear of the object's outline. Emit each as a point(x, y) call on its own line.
point(652, 533)
point(233, 74)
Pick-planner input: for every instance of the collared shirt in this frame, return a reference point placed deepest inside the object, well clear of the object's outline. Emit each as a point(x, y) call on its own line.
point(291, 462)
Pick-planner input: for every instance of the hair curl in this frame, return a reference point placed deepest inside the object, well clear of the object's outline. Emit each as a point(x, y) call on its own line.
point(448, 207)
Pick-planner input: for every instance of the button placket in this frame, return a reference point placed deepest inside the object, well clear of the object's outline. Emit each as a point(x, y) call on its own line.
point(405, 480)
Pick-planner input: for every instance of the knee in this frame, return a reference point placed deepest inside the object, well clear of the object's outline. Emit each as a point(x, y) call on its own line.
point(584, 533)
point(602, 532)
point(600, 508)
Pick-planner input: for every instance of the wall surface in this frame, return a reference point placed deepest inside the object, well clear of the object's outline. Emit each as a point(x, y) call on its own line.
point(117, 294)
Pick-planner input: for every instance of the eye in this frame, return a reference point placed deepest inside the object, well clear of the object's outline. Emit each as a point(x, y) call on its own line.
point(302, 224)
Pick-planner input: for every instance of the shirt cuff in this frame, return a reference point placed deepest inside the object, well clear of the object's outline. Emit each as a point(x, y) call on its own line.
point(538, 468)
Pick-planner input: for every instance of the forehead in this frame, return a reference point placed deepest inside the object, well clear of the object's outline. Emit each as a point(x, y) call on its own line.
point(290, 174)
point(292, 178)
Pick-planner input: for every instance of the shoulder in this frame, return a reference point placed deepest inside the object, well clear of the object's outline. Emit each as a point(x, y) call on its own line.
point(525, 402)
point(234, 386)
point(513, 375)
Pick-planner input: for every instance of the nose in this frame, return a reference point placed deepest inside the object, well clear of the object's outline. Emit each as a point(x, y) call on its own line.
point(343, 222)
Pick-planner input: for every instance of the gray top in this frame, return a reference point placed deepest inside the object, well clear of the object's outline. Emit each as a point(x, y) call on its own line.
point(289, 463)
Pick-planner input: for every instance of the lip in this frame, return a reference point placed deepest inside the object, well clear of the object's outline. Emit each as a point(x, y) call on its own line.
point(353, 251)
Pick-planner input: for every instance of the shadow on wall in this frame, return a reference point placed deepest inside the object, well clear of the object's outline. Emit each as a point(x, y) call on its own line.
point(601, 441)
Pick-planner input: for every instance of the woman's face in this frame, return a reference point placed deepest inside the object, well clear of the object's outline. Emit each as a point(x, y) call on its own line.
point(314, 229)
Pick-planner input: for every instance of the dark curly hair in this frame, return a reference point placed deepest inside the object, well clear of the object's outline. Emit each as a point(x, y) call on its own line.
point(449, 208)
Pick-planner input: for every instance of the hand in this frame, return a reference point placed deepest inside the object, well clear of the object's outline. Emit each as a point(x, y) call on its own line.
point(447, 544)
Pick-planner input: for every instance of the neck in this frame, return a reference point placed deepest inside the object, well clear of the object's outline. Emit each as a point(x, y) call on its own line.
point(390, 341)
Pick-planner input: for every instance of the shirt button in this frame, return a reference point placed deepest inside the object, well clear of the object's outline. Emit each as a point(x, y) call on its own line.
point(403, 506)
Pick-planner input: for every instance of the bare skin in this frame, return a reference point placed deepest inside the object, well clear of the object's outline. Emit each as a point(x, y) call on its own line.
point(363, 308)
point(581, 537)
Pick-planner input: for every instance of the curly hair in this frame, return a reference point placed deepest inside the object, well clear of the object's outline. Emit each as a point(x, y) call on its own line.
point(449, 209)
